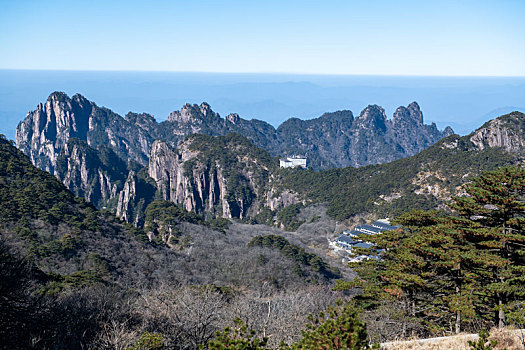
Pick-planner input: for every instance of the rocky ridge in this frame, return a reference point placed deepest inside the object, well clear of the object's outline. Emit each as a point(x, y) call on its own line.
point(424, 181)
point(222, 176)
point(333, 140)
point(124, 163)
point(506, 132)
point(45, 132)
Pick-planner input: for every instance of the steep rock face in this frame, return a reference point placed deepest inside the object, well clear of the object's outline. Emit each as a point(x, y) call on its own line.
point(222, 176)
point(166, 168)
point(126, 199)
point(507, 132)
point(199, 188)
point(193, 119)
point(138, 191)
point(276, 200)
point(338, 139)
point(332, 140)
point(368, 142)
point(320, 138)
point(45, 132)
point(410, 134)
point(218, 178)
point(95, 175)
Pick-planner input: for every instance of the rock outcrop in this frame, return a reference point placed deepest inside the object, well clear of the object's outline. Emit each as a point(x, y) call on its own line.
point(138, 191)
point(214, 176)
point(95, 175)
point(507, 132)
point(338, 139)
point(332, 140)
point(44, 132)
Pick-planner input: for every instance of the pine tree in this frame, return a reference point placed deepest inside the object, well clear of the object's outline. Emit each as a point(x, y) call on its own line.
point(238, 338)
point(428, 263)
point(337, 328)
point(492, 218)
point(449, 269)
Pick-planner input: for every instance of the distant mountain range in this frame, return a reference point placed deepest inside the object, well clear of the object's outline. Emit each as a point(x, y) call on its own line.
point(332, 140)
point(230, 169)
point(456, 101)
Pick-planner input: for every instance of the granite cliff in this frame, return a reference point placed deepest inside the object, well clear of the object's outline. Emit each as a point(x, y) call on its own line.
point(424, 181)
point(333, 140)
point(224, 176)
point(45, 131)
point(507, 132)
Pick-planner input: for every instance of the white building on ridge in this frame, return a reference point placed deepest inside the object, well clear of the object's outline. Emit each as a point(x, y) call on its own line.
point(292, 162)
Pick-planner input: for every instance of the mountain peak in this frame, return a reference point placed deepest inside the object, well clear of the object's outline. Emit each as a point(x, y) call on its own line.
point(58, 96)
point(415, 112)
point(206, 109)
point(143, 120)
point(233, 118)
point(373, 116)
point(506, 132)
point(411, 114)
point(448, 131)
point(193, 113)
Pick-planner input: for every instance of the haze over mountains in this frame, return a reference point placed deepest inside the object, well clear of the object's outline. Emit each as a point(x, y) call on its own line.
point(462, 103)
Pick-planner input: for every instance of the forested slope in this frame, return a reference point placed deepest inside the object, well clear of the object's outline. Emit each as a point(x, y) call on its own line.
point(423, 181)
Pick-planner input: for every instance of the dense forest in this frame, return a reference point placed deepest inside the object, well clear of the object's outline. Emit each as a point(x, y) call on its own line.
point(356, 190)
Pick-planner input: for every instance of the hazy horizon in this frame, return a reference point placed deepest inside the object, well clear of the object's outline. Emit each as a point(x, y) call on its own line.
point(464, 103)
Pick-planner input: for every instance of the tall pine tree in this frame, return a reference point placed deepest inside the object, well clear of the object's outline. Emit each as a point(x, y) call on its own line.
point(492, 218)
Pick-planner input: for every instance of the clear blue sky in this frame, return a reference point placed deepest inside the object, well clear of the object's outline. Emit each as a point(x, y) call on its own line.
point(321, 37)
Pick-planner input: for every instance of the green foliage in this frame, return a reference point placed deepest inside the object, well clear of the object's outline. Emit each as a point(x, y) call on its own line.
point(336, 328)
point(218, 224)
point(236, 156)
point(149, 341)
point(29, 193)
point(137, 233)
point(296, 253)
point(169, 213)
point(101, 265)
point(349, 191)
point(76, 280)
point(100, 160)
point(492, 218)
point(288, 217)
point(454, 269)
point(483, 342)
point(162, 219)
point(264, 217)
point(238, 338)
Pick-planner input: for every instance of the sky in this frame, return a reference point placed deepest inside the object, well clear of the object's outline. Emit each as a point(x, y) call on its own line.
point(374, 37)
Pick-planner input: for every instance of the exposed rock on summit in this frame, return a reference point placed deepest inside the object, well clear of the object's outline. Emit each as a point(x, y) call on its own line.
point(507, 132)
point(45, 132)
point(222, 176)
